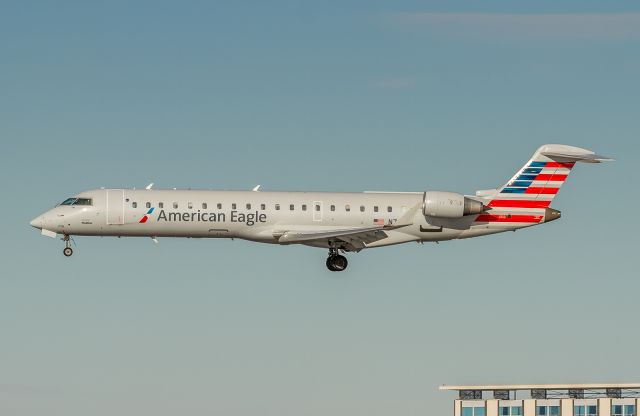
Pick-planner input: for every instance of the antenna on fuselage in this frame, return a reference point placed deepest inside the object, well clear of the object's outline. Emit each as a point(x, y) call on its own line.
point(256, 188)
point(149, 186)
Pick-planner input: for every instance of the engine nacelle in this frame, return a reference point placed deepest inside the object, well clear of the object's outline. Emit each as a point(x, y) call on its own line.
point(450, 205)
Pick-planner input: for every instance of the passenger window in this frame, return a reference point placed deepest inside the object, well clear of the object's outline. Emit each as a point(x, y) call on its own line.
point(361, 208)
point(277, 207)
point(189, 205)
point(304, 207)
point(204, 205)
point(375, 208)
point(148, 204)
point(347, 208)
point(291, 207)
point(389, 209)
point(317, 207)
point(134, 204)
point(248, 206)
point(160, 205)
point(233, 206)
point(219, 205)
point(175, 205)
point(263, 207)
point(333, 207)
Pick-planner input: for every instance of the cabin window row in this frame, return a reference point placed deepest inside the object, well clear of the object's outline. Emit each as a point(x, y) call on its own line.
point(263, 207)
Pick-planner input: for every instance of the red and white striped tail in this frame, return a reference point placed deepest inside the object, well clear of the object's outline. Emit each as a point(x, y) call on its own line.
point(527, 196)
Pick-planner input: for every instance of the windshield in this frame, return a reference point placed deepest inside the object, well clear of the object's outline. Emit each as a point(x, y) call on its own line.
point(68, 201)
point(77, 201)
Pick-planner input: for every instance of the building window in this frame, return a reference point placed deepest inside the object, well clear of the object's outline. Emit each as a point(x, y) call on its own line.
point(473, 411)
point(263, 207)
point(510, 411)
point(623, 410)
point(148, 204)
point(347, 208)
point(291, 207)
point(189, 205)
point(175, 205)
point(277, 207)
point(160, 205)
point(389, 209)
point(219, 205)
point(591, 410)
point(333, 207)
point(233, 206)
point(547, 410)
point(304, 207)
point(204, 205)
point(134, 204)
point(361, 208)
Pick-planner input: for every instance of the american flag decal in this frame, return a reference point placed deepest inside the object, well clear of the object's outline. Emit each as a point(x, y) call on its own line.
point(378, 221)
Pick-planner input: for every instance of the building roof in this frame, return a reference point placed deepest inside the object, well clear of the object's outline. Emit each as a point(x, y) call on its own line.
point(545, 387)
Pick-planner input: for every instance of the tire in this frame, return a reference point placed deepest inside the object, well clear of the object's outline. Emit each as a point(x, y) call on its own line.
point(337, 263)
point(67, 251)
point(330, 263)
point(340, 263)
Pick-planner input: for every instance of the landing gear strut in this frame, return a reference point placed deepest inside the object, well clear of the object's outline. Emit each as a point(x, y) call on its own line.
point(335, 261)
point(68, 251)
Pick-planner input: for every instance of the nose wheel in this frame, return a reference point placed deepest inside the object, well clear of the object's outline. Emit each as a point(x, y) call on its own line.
point(336, 262)
point(67, 251)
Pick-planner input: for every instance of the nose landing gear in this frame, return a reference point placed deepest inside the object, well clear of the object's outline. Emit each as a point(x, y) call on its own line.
point(335, 261)
point(68, 251)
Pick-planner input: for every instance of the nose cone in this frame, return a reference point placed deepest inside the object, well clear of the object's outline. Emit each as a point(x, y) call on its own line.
point(37, 222)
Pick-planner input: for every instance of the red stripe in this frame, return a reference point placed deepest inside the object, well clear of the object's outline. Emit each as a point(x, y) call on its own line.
point(143, 219)
point(509, 218)
point(550, 177)
point(567, 165)
point(534, 190)
point(519, 203)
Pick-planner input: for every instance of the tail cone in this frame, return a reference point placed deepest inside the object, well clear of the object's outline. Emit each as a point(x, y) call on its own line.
point(551, 214)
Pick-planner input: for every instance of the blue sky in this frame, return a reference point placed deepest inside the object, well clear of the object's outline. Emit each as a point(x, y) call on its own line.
point(342, 96)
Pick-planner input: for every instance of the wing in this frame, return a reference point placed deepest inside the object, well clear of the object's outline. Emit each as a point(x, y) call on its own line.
point(351, 239)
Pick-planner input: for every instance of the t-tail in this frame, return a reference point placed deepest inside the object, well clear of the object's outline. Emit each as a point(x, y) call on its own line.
point(526, 198)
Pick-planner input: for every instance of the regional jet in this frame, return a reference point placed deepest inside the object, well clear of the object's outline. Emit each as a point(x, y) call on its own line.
point(336, 221)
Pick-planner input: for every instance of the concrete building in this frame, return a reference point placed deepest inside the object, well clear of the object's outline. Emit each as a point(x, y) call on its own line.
point(547, 400)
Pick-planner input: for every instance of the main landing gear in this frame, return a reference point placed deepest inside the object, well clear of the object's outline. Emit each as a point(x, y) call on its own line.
point(68, 251)
point(335, 261)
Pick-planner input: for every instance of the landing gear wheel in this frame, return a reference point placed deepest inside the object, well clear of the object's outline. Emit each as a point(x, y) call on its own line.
point(67, 251)
point(337, 263)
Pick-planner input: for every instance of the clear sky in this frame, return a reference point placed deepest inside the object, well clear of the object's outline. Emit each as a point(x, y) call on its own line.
point(345, 96)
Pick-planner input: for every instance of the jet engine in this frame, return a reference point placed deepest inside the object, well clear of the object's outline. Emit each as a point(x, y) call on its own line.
point(450, 205)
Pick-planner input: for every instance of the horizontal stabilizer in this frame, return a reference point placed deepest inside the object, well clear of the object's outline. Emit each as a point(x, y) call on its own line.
point(564, 153)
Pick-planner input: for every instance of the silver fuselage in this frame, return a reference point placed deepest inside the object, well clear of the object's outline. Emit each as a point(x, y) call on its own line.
point(255, 216)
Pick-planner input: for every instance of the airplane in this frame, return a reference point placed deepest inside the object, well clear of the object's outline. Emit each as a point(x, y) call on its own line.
point(338, 221)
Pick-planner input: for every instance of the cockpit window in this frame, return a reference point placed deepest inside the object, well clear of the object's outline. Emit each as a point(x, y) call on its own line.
point(77, 201)
point(69, 201)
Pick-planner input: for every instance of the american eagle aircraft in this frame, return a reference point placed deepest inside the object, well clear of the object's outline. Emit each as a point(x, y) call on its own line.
point(336, 221)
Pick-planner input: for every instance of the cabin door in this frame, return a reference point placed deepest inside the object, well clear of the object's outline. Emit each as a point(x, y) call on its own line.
point(115, 206)
point(317, 210)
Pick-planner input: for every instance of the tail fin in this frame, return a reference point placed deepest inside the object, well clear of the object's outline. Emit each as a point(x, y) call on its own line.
point(535, 185)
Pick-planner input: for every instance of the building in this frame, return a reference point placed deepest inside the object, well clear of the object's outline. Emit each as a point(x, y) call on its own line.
point(547, 400)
